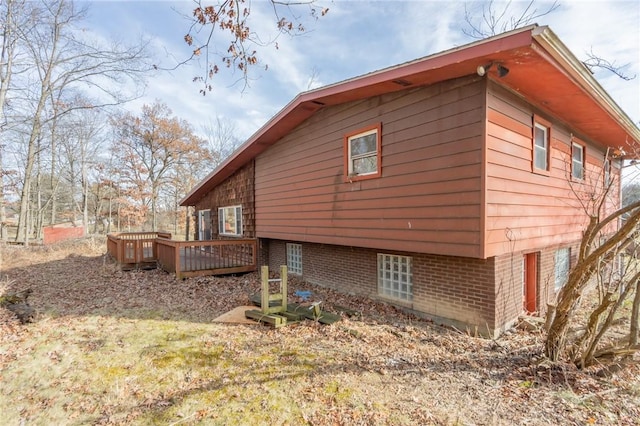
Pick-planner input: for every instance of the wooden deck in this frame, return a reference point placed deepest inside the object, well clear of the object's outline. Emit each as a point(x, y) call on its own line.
point(182, 258)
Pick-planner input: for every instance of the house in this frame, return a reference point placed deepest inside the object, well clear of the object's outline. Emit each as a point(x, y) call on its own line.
point(448, 185)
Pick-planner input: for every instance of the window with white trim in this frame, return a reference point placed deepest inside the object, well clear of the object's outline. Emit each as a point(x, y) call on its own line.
point(562, 266)
point(362, 152)
point(577, 161)
point(294, 258)
point(230, 220)
point(395, 279)
point(540, 147)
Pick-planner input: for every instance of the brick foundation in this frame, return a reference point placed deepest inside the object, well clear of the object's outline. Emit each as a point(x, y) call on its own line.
point(481, 296)
point(451, 290)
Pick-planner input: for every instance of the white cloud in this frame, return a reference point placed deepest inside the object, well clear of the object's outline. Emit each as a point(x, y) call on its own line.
point(356, 37)
point(427, 27)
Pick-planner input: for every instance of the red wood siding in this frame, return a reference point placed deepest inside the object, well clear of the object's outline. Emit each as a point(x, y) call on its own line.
point(429, 195)
point(526, 211)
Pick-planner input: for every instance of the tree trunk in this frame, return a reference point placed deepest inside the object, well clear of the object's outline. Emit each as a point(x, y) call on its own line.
point(85, 209)
point(6, 64)
point(38, 221)
point(52, 178)
point(635, 318)
point(45, 89)
point(25, 194)
point(110, 218)
point(175, 212)
point(154, 201)
point(85, 191)
point(588, 358)
point(3, 212)
point(568, 302)
point(551, 314)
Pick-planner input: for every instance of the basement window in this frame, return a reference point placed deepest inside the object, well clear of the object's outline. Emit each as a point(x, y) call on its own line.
point(294, 258)
point(230, 221)
point(362, 153)
point(395, 279)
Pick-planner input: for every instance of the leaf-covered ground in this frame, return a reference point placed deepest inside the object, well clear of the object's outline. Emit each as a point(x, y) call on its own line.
point(139, 347)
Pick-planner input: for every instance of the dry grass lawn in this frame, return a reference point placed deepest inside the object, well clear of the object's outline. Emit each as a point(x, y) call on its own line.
point(112, 347)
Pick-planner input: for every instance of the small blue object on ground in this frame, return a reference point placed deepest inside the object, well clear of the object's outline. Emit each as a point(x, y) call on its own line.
point(303, 294)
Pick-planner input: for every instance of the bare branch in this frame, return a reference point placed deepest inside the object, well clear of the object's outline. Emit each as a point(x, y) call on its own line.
point(594, 61)
point(495, 20)
point(229, 20)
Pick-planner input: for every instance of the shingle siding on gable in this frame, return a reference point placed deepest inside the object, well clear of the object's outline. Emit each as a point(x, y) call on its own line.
point(237, 190)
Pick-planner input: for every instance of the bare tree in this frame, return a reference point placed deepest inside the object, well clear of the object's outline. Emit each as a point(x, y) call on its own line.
point(11, 19)
point(84, 137)
point(606, 262)
point(227, 23)
point(63, 61)
point(103, 195)
point(150, 148)
point(222, 137)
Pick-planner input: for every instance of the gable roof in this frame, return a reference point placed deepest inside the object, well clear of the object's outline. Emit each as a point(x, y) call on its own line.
point(541, 69)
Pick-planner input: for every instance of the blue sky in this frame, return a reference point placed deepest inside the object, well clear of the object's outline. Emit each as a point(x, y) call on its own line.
point(354, 38)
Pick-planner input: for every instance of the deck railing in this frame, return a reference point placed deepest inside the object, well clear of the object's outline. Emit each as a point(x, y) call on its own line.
point(131, 249)
point(211, 257)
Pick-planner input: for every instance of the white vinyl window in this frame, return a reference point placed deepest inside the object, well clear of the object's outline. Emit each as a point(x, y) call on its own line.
point(563, 264)
point(294, 258)
point(395, 279)
point(363, 152)
point(577, 161)
point(230, 220)
point(540, 147)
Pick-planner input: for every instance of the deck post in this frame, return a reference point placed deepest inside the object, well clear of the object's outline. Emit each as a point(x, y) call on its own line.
point(264, 300)
point(254, 247)
point(120, 250)
point(176, 261)
point(283, 285)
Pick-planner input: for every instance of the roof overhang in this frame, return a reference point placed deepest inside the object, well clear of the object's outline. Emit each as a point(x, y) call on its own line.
point(541, 69)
